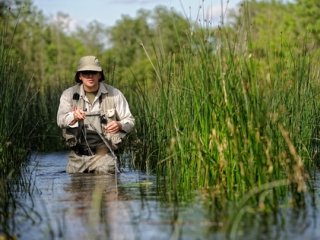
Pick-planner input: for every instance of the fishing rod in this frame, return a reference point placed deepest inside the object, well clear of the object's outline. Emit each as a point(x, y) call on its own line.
point(104, 141)
point(109, 147)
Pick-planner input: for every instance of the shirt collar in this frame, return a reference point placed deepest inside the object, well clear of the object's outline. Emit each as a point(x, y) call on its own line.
point(102, 89)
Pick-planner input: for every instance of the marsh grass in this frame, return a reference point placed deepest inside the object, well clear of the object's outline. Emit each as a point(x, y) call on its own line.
point(24, 116)
point(15, 101)
point(224, 120)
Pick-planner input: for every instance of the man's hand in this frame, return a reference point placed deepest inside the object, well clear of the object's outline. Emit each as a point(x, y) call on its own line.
point(113, 127)
point(78, 115)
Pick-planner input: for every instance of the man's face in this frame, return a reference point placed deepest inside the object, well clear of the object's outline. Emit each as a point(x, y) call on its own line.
point(90, 79)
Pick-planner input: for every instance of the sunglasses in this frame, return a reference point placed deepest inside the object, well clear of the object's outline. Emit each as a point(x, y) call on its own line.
point(87, 73)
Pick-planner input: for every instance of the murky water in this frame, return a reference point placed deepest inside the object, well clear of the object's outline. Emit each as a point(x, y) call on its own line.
point(88, 206)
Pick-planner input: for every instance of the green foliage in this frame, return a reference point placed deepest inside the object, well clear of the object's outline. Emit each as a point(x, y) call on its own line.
point(226, 108)
point(233, 107)
point(93, 37)
point(16, 100)
point(130, 38)
point(308, 13)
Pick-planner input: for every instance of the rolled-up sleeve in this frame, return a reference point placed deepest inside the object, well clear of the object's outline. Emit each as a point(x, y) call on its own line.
point(126, 119)
point(65, 115)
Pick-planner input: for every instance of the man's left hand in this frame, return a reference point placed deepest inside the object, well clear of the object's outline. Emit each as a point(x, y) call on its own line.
point(113, 127)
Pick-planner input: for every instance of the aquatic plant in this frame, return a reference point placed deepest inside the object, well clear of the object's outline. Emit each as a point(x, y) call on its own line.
point(23, 116)
point(220, 119)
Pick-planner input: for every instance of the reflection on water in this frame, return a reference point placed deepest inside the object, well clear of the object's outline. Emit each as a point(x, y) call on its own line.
point(88, 206)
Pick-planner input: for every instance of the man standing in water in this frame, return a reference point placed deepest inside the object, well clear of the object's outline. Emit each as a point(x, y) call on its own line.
point(95, 117)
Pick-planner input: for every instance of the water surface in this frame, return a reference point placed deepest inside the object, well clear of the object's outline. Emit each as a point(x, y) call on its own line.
point(132, 205)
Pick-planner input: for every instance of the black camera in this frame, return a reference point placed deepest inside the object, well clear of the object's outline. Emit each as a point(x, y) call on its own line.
point(103, 119)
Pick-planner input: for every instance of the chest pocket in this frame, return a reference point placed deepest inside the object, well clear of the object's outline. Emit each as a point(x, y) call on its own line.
point(108, 109)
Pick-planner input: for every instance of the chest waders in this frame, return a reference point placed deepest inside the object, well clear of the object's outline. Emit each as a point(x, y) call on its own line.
point(76, 137)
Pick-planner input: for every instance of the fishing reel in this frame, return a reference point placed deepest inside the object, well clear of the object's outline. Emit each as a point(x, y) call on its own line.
point(103, 119)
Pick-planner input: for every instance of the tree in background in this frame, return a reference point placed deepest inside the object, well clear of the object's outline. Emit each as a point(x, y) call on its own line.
point(308, 16)
point(134, 43)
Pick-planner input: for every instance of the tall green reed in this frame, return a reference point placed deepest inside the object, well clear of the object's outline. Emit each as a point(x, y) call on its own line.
point(220, 119)
point(25, 114)
point(15, 100)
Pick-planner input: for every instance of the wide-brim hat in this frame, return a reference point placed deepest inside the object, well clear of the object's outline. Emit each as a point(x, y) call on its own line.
point(88, 63)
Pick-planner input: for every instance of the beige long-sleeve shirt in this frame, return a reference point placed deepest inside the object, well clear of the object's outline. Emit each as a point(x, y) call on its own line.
point(65, 112)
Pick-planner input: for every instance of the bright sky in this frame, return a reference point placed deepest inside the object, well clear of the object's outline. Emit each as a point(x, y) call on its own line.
point(109, 11)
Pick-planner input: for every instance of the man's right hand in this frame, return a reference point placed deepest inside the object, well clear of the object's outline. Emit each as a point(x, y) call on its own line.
point(78, 115)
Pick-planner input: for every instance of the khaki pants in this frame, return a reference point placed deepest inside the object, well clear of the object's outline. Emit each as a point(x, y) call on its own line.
point(101, 163)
